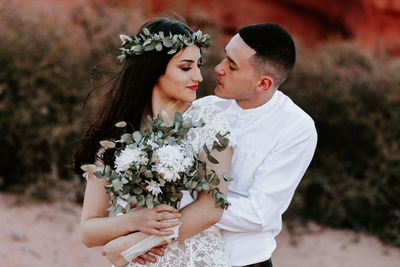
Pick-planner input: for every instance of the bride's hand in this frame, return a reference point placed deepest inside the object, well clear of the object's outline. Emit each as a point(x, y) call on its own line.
point(153, 221)
point(112, 250)
point(147, 257)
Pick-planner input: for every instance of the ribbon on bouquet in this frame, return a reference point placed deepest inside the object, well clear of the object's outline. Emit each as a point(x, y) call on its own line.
point(148, 243)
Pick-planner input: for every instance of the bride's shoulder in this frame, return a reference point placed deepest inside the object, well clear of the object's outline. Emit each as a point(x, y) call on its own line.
point(214, 101)
point(210, 105)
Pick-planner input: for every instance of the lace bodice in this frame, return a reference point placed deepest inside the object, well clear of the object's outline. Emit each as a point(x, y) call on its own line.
point(215, 122)
point(206, 248)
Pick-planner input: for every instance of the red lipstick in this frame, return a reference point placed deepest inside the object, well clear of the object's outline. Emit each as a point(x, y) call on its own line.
point(193, 87)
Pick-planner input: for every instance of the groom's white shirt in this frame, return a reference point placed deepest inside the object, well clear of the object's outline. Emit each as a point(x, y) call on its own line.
point(275, 145)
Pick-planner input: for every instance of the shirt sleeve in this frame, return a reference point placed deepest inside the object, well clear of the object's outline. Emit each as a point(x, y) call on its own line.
point(274, 183)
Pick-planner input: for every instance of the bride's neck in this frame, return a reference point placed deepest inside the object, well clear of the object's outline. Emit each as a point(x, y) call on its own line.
point(165, 106)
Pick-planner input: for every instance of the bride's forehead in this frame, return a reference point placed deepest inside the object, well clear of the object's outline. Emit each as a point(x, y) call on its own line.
point(191, 52)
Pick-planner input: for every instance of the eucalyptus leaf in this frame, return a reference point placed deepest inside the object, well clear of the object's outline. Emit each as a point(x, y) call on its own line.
point(206, 187)
point(148, 41)
point(161, 181)
point(133, 200)
point(137, 190)
point(187, 123)
point(98, 174)
point(212, 159)
point(137, 136)
point(141, 201)
point(206, 149)
point(194, 184)
point(127, 138)
point(119, 209)
point(111, 209)
point(117, 184)
point(167, 42)
point(146, 31)
point(149, 47)
point(148, 174)
point(107, 170)
point(149, 203)
point(159, 46)
point(137, 48)
point(227, 177)
point(215, 181)
point(197, 124)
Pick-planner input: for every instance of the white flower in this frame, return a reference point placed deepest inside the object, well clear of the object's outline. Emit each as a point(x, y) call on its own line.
point(153, 187)
point(144, 161)
point(128, 156)
point(170, 161)
point(121, 202)
point(152, 144)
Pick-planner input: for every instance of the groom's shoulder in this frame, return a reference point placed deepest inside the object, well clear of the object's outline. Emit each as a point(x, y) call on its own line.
point(213, 100)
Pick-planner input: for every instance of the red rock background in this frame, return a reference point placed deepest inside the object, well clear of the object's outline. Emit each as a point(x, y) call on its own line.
point(373, 23)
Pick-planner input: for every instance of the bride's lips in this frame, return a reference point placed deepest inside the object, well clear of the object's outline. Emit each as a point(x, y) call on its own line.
point(193, 87)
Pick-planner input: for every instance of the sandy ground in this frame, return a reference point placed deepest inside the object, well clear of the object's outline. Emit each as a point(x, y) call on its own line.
point(38, 234)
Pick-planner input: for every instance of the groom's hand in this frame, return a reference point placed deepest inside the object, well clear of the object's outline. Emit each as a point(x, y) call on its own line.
point(147, 257)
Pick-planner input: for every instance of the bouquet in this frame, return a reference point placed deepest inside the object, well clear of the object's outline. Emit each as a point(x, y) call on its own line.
point(153, 167)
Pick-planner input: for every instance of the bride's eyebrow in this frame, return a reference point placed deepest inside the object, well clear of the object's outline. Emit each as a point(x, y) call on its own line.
point(187, 60)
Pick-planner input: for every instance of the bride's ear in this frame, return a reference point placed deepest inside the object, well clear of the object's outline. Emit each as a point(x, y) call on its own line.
point(264, 84)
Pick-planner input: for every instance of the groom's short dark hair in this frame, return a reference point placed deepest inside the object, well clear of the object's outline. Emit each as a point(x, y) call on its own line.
point(275, 49)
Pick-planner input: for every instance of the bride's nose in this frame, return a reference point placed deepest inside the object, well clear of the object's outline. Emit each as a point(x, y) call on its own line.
point(197, 77)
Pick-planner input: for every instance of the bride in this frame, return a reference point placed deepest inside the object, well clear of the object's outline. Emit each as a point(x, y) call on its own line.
point(154, 80)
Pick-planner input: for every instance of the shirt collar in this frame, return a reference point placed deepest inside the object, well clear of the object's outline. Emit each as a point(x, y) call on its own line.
point(263, 109)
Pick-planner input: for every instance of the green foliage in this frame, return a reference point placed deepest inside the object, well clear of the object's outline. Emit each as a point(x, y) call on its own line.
point(354, 178)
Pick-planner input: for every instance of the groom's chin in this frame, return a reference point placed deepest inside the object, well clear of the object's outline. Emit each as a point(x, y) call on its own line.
point(218, 92)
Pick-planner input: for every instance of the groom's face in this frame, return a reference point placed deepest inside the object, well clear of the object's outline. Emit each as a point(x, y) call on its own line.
point(236, 77)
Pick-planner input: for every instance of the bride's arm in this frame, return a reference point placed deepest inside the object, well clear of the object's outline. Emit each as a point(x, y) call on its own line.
point(202, 213)
point(97, 228)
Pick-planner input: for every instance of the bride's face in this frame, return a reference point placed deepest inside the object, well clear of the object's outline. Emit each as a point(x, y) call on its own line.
point(182, 76)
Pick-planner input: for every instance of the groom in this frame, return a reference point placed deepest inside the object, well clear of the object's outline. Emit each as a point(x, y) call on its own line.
point(275, 140)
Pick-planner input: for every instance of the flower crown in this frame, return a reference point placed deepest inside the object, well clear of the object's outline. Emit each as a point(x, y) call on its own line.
point(153, 41)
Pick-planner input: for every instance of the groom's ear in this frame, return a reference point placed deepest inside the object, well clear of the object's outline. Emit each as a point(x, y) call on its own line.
point(264, 84)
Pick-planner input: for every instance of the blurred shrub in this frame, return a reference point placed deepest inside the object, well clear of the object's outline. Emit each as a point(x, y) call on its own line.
point(354, 178)
point(47, 53)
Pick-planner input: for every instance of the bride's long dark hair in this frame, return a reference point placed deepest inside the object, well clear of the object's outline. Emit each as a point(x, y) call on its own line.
point(129, 97)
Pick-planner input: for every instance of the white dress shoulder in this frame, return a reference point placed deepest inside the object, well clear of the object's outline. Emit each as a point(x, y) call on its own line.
point(206, 248)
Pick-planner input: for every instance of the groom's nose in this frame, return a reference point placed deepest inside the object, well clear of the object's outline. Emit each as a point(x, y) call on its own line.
point(219, 69)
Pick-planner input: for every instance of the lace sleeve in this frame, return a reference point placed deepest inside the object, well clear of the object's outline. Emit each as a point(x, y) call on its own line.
point(215, 122)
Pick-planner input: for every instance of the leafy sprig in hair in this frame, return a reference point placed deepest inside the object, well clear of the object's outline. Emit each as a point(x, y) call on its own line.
point(148, 41)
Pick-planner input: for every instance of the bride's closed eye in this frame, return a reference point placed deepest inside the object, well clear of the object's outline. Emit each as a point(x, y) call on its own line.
point(186, 68)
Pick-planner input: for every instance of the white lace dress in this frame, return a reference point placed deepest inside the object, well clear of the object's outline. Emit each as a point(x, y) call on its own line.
point(207, 247)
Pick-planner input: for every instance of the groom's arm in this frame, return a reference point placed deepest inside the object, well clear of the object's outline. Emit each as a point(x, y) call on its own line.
point(274, 183)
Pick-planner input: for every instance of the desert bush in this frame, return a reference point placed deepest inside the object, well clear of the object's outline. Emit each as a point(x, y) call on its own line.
point(47, 54)
point(354, 98)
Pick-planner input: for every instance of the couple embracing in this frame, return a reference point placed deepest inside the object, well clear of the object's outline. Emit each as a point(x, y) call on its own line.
point(271, 143)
